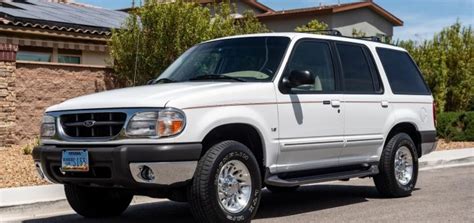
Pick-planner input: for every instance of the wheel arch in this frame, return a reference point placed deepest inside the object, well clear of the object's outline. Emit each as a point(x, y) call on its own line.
point(409, 128)
point(245, 133)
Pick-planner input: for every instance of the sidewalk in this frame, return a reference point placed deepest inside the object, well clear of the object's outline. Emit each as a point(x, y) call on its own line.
point(447, 157)
point(46, 193)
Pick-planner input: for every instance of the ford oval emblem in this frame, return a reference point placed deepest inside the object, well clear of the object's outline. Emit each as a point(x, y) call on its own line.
point(88, 123)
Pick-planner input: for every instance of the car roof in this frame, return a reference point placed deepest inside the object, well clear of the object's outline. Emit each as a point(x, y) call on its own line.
point(294, 35)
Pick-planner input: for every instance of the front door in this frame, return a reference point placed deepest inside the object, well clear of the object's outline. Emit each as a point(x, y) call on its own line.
point(311, 117)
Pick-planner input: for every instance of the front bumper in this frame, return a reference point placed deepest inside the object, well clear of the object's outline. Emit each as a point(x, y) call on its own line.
point(117, 166)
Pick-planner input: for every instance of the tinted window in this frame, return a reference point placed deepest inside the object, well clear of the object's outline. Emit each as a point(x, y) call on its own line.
point(314, 57)
point(355, 69)
point(402, 72)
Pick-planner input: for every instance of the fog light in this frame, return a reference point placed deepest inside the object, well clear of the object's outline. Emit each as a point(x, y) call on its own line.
point(146, 173)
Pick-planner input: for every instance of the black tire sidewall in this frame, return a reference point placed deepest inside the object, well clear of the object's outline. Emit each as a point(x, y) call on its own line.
point(404, 140)
point(97, 202)
point(236, 151)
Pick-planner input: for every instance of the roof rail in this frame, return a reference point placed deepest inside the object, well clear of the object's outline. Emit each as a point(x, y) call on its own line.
point(331, 32)
point(371, 38)
point(334, 32)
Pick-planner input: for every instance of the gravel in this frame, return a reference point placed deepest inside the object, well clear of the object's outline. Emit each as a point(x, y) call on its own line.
point(17, 169)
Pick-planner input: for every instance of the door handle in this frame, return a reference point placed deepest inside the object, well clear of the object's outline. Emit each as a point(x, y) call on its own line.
point(384, 104)
point(335, 103)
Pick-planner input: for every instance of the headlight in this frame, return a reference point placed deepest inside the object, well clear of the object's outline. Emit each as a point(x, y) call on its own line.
point(48, 126)
point(154, 124)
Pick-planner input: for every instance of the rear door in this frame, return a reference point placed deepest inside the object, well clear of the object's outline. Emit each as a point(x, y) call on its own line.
point(366, 110)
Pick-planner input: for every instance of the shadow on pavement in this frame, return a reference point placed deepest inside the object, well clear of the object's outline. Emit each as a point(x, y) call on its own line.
point(305, 199)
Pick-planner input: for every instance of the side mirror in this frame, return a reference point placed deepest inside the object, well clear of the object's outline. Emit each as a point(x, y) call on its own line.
point(297, 78)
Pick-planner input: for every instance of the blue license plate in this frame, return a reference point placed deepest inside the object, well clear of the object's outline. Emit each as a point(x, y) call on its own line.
point(75, 161)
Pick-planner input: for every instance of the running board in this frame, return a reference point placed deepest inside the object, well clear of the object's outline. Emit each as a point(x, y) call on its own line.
point(275, 180)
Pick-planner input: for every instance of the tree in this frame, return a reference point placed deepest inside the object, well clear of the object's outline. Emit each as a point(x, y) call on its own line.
point(313, 25)
point(156, 34)
point(447, 63)
point(358, 33)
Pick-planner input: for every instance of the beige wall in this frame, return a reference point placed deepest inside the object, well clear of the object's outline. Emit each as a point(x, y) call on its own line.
point(362, 19)
point(96, 58)
point(39, 86)
point(290, 23)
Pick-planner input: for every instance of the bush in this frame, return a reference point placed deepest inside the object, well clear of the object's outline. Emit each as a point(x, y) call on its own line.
point(456, 126)
point(447, 64)
point(28, 148)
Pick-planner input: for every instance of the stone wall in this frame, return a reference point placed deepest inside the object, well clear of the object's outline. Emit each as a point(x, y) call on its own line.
point(7, 94)
point(39, 86)
point(28, 88)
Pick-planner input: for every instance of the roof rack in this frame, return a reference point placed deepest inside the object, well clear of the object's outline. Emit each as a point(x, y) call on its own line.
point(334, 32)
point(371, 38)
point(331, 32)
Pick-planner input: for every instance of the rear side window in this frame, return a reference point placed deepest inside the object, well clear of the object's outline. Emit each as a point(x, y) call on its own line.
point(402, 73)
point(356, 69)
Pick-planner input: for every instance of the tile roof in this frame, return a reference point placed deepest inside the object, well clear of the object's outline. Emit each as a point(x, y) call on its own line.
point(60, 16)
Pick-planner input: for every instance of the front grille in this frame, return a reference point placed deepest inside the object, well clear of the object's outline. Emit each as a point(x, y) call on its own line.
point(84, 125)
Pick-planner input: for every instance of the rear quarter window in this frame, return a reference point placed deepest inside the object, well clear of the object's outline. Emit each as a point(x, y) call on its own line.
point(402, 72)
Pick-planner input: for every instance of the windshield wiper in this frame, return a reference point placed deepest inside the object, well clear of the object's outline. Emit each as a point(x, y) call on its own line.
point(216, 77)
point(164, 81)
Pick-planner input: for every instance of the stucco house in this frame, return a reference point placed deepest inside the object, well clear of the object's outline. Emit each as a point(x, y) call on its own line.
point(58, 31)
point(365, 16)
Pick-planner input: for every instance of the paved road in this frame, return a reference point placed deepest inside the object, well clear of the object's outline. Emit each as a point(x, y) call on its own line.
point(442, 195)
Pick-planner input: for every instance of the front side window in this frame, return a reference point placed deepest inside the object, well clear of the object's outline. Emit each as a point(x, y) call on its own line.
point(402, 73)
point(251, 59)
point(315, 57)
point(355, 69)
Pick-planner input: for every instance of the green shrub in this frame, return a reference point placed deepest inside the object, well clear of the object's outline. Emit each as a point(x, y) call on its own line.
point(28, 148)
point(456, 126)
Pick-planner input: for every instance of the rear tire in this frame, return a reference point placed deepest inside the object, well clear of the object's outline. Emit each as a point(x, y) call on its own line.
point(228, 173)
point(277, 189)
point(398, 167)
point(97, 202)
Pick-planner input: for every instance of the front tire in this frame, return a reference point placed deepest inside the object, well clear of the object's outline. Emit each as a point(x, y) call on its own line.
point(97, 202)
point(398, 167)
point(226, 185)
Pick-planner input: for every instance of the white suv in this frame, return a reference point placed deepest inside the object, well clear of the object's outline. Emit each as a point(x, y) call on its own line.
point(234, 115)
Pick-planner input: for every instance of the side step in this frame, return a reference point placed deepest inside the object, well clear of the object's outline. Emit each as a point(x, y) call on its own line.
point(275, 180)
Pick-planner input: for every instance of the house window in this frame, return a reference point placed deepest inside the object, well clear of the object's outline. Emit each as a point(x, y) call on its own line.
point(69, 56)
point(38, 54)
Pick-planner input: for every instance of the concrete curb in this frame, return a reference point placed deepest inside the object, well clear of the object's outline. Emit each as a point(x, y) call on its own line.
point(447, 157)
point(35, 194)
point(29, 195)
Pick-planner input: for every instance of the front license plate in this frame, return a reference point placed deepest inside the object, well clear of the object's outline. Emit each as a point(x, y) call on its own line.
point(75, 161)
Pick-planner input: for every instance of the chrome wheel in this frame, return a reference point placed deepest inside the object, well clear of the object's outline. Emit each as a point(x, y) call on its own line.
point(403, 165)
point(234, 186)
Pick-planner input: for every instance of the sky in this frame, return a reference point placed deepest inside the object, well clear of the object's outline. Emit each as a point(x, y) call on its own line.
point(422, 18)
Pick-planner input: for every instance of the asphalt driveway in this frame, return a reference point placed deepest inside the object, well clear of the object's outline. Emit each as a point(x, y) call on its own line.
point(442, 195)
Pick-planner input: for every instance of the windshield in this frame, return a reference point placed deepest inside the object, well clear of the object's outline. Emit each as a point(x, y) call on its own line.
point(251, 59)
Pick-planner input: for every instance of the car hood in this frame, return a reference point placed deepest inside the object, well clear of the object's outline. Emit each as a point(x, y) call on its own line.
point(133, 97)
point(156, 96)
